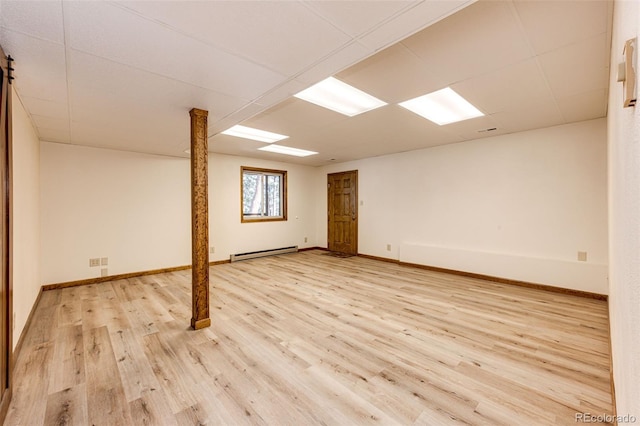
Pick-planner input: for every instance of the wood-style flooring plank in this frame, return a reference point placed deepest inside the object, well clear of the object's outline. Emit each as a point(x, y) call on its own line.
point(316, 340)
point(67, 407)
point(105, 394)
point(68, 358)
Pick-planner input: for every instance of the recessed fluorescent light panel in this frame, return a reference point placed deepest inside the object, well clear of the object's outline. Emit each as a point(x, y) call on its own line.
point(337, 96)
point(442, 107)
point(279, 149)
point(255, 134)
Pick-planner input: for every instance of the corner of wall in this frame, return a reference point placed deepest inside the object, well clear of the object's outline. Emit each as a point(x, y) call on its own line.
point(25, 216)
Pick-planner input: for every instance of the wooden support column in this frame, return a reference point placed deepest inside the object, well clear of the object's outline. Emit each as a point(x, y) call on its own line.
point(199, 220)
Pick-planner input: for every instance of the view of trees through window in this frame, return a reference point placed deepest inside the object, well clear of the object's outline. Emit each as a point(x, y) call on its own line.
point(263, 194)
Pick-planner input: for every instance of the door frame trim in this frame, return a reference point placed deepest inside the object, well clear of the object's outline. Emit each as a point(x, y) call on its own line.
point(7, 224)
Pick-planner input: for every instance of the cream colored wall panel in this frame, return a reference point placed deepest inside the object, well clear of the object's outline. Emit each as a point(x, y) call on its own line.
point(538, 194)
point(25, 217)
point(231, 236)
point(571, 274)
point(135, 209)
point(624, 222)
point(131, 208)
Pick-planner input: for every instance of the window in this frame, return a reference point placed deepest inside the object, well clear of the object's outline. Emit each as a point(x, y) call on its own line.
point(264, 195)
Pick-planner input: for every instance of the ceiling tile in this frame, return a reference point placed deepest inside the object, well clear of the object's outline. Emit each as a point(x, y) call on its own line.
point(296, 114)
point(135, 69)
point(102, 133)
point(51, 109)
point(246, 112)
point(578, 67)
point(39, 64)
point(506, 88)
point(339, 60)
point(102, 123)
point(124, 86)
point(225, 144)
point(40, 19)
point(531, 115)
point(584, 106)
point(357, 17)
point(480, 38)
point(50, 123)
point(259, 30)
point(284, 91)
point(111, 32)
point(51, 135)
point(474, 128)
point(387, 129)
point(560, 26)
point(393, 75)
point(411, 20)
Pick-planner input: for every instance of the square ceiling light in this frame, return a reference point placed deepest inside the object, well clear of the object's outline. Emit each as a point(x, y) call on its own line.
point(337, 96)
point(442, 107)
point(279, 149)
point(254, 134)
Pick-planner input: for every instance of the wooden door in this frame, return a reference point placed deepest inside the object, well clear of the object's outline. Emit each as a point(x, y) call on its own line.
point(5, 287)
point(342, 190)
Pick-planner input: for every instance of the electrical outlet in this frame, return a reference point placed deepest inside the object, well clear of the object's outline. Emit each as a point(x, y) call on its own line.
point(582, 256)
point(388, 247)
point(305, 239)
point(94, 262)
point(104, 272)
point(104, 261)
point(212, 250)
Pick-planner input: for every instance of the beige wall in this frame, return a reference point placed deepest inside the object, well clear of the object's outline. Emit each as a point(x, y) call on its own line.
point(26, 222)
point(228, 235)
point(131, 208)
point(624, 222)
point(516, 206)
point(135, 210)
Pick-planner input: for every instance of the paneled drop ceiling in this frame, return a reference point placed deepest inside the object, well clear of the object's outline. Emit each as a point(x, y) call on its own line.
point(124, 75)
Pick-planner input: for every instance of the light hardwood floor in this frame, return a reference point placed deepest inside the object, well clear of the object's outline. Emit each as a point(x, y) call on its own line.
point(306, 339)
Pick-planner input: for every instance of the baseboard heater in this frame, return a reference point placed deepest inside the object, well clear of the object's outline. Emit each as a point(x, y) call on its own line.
point(262, 253)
